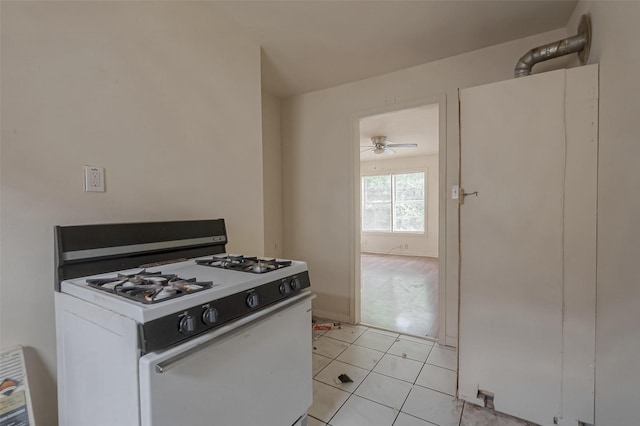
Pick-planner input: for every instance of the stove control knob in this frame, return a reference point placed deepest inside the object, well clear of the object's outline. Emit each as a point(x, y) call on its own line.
point(187, 324)
point(295, 284)
point(210, 316)
point(285, 288)
point(252, 299)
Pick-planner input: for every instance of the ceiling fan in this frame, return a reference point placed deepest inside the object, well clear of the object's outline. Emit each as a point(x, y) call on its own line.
point(382, 145)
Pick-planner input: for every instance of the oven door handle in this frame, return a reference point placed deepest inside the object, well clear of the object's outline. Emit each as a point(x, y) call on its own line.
point(237, 327)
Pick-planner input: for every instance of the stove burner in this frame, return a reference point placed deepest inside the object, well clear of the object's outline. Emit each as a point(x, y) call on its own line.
point(242, 263)
point(149, 287)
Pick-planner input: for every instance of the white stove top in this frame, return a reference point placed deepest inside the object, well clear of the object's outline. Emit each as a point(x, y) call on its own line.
point(225, 283)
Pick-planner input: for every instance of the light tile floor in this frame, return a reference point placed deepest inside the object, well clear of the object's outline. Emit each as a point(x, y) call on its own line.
point(397, 380)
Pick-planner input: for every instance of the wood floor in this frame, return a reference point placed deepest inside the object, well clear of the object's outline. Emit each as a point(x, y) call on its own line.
point(400, 293)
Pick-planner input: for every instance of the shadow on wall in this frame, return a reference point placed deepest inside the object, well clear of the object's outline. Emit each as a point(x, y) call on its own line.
point(43, 391)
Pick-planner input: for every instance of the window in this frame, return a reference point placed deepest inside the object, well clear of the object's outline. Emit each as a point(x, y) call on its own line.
point(393, 203)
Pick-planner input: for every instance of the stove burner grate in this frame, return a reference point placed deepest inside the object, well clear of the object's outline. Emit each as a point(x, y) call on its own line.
point(149, 287)
point(241, 263)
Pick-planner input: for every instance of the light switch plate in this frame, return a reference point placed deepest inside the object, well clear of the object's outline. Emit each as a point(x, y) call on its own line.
point(454, 192)
point(93, 179)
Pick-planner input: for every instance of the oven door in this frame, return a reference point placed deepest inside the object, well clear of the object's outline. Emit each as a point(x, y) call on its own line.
point(255, 371)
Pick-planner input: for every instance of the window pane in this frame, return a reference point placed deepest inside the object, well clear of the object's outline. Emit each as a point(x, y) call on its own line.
point(409, 206)
point(409, 217)
point(376, 217)
point(376, 203)
point(377, 188)
point(410, 187)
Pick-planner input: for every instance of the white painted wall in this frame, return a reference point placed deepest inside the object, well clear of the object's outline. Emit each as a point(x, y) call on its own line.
point(319, 181)
point(615, 47)
point(164, 95)
point(272, 174)
point(418, 244)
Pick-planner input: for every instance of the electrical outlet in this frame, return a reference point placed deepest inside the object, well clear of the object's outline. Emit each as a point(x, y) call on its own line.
point(93, 179)
point(406, 246)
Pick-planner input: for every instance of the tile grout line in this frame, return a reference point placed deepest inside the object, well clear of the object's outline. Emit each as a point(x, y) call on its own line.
point(464, 404)
point(365, 378)
point(412, 387)
point(386, 352)
point(336, 359)
point(413, 384)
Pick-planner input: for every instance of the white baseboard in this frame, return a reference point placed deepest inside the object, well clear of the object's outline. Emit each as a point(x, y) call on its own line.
point(404, 253)
point(451, 341)
point(331, 316)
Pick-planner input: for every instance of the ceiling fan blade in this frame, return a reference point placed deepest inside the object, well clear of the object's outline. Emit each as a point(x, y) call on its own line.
point(365, 150)
point(402, 145)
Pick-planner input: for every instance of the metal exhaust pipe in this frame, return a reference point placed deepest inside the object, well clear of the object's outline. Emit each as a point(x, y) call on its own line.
point(579, 43)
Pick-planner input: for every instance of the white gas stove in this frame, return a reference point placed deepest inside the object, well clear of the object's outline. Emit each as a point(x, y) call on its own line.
point(157, 325)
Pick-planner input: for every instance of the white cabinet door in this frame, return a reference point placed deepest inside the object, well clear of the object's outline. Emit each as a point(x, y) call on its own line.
point(528, 245)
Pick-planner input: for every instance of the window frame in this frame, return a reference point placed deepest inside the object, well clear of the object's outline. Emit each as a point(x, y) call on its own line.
point(392, 173)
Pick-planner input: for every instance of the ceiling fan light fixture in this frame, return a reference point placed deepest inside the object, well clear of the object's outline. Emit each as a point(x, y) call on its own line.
point(377, 140)
point(382, 145)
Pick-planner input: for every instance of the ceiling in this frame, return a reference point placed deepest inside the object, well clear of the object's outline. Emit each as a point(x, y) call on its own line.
point(313, 45)
point(415, 125)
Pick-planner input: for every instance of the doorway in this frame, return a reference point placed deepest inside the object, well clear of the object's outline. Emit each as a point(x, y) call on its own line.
point(399, 191)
